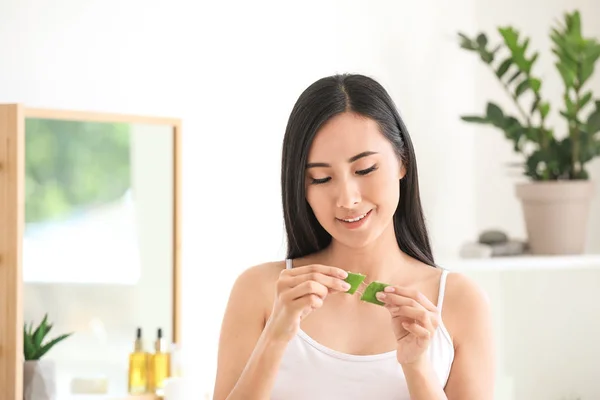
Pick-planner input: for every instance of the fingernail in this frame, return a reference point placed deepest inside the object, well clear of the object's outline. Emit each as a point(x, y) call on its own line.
point(380, 295)
point(389, 289)
point(343, 274)
point(345, 286)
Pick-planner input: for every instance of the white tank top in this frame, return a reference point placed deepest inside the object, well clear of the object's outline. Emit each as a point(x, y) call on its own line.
point(311, 371)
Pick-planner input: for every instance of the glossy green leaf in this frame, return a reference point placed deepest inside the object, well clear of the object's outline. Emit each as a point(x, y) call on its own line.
point(522, 87)
point(482, 40)
point(475, 119)
point(535, 84)
point(495, 114)
point(354, 279)
point(503, 68)
point(585, 99)
point(593, 123)
point(371, 291)
point(544, 109)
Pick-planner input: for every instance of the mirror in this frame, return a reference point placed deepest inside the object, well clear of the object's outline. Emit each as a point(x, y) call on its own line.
point(99, 245)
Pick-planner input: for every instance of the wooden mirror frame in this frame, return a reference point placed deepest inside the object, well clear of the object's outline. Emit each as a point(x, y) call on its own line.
point(12, 221)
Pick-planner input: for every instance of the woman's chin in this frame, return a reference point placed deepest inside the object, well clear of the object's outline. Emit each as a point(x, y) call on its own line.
point(357, 240)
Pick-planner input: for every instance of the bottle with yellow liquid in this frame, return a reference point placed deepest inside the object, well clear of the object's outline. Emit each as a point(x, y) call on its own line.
point(138, 367)
point(159, 365)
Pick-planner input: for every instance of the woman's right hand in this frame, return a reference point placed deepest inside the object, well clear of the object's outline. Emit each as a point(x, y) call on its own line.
point(299, 291)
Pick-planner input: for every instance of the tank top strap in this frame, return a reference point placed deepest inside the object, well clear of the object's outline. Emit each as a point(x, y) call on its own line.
point(288, 263)
point(442, 291)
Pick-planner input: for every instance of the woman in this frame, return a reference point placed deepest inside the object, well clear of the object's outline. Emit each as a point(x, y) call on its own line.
point(351, 203)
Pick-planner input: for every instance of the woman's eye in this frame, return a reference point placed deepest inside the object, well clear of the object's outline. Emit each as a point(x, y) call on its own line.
point(367, 171)
point(319, 181)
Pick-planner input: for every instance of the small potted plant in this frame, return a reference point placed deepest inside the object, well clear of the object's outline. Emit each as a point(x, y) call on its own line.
point(39, 375)
point(557, 194)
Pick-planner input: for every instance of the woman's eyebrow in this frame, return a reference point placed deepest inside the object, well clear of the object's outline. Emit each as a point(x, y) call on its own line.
point(350, 160)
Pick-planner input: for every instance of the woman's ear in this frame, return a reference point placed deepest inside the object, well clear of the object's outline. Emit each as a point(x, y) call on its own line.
point(402, 171)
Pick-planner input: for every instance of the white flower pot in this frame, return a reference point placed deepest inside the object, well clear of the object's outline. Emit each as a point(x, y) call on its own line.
point(39, 380)
point(556, 215)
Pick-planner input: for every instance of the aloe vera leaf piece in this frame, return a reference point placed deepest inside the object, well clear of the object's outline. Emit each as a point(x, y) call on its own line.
point(354, 280)
point(372, 290)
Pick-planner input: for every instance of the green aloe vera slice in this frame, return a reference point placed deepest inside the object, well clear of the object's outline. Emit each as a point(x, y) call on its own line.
point(372, 290)
point(354, 280)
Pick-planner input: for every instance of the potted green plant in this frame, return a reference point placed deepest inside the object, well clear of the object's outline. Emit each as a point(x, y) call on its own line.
point(557, 194)
point(39, 375)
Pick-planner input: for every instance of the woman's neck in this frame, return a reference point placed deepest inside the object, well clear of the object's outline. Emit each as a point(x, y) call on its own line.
point(379, 260)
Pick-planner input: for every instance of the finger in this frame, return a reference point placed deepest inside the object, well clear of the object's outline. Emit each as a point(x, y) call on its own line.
point(417, 330)
point(309, 301)
point(333, 283)
point(306, 304)
point(393, 299)
point(412, 294)
point(323, 269)
point(416, 314)
point(395, 316)
point(304, 288)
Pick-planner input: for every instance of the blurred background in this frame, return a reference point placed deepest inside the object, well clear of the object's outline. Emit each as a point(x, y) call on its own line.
point(232, 72)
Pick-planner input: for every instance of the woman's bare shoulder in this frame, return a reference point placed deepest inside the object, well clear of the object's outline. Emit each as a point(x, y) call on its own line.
point(257, 283)
point(463, 291)
point(262, 272)
point(261, 276)
point(466, 305)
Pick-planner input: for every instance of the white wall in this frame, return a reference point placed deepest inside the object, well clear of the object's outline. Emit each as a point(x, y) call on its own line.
point(233, 72)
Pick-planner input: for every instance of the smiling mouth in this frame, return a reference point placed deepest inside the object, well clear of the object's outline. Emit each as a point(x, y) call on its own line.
point(355, 219)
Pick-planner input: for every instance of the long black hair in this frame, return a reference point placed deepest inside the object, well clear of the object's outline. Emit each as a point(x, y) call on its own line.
point(321, 101)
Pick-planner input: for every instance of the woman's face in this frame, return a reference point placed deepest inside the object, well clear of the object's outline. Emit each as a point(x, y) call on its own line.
point(352, 179)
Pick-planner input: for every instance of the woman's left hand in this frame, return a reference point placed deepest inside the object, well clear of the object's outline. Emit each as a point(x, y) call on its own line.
point(414, 320)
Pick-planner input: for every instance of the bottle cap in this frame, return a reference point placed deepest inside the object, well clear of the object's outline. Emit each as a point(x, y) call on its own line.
point(160, 344)
point(139, 344)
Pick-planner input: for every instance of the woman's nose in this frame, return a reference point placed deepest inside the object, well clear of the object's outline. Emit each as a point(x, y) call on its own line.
point(348, 194)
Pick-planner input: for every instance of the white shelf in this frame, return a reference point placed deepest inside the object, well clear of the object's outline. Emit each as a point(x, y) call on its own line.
point(495, 264)
point(106, 397)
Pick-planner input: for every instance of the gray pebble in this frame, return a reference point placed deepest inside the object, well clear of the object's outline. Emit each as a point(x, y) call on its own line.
point(492, 237)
